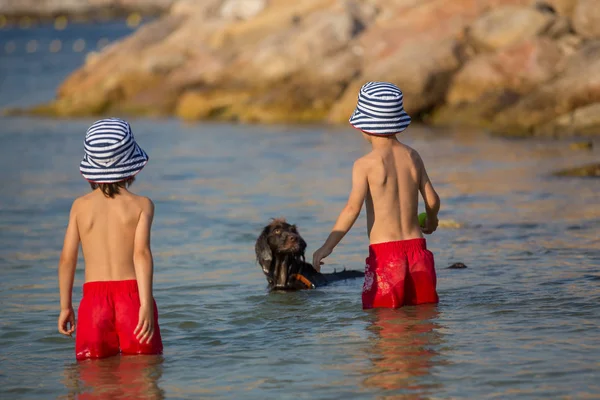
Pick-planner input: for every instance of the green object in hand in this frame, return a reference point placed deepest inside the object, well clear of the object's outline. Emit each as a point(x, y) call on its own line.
point(422, 219)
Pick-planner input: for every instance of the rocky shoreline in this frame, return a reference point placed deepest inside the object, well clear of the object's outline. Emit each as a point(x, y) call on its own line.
point(515, 67)
point(18, 10)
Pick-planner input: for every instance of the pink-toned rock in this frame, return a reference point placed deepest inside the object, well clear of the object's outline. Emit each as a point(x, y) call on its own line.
point(284, 61)
point(415, 46)
point(519, 68)
point(578, 86)
point(505, 26)
point(303, 48)
point(586, 18)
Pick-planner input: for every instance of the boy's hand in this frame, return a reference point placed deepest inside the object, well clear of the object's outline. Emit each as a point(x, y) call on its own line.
point(145, 328)
point(431, 225)
point(66, 322)
point(318, 256)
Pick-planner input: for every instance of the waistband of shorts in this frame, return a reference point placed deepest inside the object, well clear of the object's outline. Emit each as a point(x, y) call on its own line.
point(399, 245)
point(105, 287)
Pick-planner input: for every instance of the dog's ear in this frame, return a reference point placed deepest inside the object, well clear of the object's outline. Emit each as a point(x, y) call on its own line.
point(264, 256)
point(302, 241)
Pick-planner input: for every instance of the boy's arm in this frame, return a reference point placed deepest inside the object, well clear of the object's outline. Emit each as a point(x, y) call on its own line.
point(66, 273)
point(431, 199)
point(144, 270)
point(348, 215)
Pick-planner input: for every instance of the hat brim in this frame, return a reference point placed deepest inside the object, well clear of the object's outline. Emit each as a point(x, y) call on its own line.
point(95, 173)
point(380, 127)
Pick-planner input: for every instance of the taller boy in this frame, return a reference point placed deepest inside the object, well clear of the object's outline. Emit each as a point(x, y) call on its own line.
point(399, 270)
point(117, 313)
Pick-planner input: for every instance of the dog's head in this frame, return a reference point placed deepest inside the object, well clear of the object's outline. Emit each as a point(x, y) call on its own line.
point(277, 248)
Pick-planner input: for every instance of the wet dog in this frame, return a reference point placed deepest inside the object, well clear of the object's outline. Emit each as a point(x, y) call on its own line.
point(280, 253)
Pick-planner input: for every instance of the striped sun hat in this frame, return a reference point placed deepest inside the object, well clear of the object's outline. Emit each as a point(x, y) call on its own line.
point(111, 153)
point(380, 110)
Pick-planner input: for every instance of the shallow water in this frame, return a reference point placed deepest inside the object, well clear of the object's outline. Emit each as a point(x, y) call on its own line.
point(521, 322)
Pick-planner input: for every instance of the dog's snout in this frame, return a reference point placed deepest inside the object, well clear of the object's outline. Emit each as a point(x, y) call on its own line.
point(293, 238)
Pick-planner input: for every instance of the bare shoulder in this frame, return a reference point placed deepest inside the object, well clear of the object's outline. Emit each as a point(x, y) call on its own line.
point(368, 161)
point(80, 203)
point(414, 156)
point(146, 205)
point(85, 198)
point(361, 167)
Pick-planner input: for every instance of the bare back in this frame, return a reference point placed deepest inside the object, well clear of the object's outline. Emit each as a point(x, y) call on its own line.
point(107, 229)
point(394, 176)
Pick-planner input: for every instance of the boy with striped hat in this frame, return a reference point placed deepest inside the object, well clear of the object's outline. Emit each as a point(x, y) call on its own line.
point(117, 313)
point(399, 270)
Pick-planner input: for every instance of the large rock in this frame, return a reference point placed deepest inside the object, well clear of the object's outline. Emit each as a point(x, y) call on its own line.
point(491, 82)
point(586, 18)
point(242, 9)
point(283, 61)
point(478, 114)
point(561, 7)
point(578, 86)
point(518, 69)
point(303, 48)
point(46, 8)
point(271, 56)
point(120, 73)
point(417, 46)
point(505, 26)
point(583, 121)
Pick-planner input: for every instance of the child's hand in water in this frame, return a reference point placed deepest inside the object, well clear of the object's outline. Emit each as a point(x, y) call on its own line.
point(66, 321)
point(431, 225)
point(318, 256)
point(145, 327)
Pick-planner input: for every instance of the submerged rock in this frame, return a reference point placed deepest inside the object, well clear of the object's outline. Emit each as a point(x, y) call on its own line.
point(587, 145)
point(592, 170)
point(457, 265)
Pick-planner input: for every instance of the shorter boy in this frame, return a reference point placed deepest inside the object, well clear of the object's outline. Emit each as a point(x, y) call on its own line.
point(399, 270)
point(117, 313)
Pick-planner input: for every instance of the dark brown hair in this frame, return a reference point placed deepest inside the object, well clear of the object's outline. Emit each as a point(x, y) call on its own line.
point(111, 189)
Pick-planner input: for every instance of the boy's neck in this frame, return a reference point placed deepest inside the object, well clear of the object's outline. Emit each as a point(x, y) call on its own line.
point(383, 142)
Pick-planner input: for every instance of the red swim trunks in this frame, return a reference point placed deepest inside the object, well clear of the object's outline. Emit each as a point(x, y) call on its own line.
point(107, 316)
point(398, 274)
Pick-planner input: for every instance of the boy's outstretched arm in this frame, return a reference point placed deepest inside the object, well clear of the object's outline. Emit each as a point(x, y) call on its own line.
point(66, 274)
point(144, 271)
point(431, 199)
point(348, 215)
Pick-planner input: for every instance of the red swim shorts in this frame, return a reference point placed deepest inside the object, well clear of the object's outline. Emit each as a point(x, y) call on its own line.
point(107, 316)
point(398, 274)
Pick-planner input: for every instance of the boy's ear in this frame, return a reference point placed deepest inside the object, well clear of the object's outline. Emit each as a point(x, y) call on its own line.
point(264, 256)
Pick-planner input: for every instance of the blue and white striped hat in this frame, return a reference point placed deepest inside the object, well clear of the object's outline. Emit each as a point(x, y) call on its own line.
point(380, 110)
point(111, 153)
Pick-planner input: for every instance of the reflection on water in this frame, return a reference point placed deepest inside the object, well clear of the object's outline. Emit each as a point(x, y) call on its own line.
point(127, 377)
point(403, 351)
